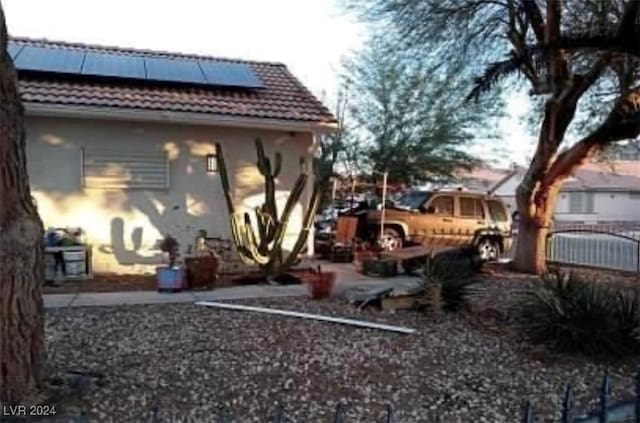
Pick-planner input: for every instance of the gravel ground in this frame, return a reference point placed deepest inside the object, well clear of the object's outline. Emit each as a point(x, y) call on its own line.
point(189, 359)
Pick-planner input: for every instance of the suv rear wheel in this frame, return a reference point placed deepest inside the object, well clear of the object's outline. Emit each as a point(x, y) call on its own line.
point(391, 240)
point(488, 249)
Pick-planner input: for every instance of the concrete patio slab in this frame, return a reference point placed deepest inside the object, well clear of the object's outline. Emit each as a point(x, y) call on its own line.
point(59, 300)
point(132, 297)
point(346, 277)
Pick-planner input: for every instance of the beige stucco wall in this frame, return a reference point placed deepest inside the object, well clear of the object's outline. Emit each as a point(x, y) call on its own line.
point(124, 225)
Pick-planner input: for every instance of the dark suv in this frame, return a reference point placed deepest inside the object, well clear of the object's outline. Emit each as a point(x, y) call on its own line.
point(452, 217)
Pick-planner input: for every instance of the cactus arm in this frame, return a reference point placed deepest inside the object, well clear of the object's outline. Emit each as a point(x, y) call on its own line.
point(243, 253)
point(246, 245)
point(224, 179)
point(263, 162)
point(262, 223)
point(307, 222)
point(293, 198)
point(278, 166)
point(270, 207)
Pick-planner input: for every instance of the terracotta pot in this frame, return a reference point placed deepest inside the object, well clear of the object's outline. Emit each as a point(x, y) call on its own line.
point(321, 285)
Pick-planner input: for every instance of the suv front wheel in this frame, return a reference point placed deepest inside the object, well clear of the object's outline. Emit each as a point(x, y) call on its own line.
point(391, 240)
point(488, 249)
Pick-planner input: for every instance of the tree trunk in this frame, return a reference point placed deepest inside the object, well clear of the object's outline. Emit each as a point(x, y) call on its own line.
point(21, 270)
point(530, 254)
point(535, 208)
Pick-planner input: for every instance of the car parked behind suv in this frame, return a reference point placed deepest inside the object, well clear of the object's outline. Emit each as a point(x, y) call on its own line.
point(443, 218)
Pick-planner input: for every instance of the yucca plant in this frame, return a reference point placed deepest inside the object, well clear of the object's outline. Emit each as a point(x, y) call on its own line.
point(451, 280)
point(576, 315)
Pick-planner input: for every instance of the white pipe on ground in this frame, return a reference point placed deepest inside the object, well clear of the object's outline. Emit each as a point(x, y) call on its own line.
point(359, 323)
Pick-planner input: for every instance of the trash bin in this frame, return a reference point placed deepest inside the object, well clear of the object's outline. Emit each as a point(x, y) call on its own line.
point(75, 262)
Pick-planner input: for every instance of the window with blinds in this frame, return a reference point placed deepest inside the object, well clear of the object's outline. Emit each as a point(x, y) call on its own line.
point(125, 169)
point(581, 202)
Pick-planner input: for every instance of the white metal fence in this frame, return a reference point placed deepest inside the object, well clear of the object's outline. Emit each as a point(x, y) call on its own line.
point(610, 246)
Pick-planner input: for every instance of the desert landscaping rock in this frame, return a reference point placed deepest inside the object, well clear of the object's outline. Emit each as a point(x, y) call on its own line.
point(189, 361)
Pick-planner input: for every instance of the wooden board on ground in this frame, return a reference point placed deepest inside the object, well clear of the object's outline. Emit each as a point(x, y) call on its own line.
point(401, 302)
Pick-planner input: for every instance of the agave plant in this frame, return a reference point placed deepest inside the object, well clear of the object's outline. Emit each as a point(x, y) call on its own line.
point(453, 279)
point(576, 315)
point(627, 315)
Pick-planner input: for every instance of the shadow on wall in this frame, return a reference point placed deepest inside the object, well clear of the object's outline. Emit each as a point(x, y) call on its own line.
point(122, 254)
point(125, 225)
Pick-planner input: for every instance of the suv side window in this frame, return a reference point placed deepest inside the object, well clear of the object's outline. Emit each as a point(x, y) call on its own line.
point(496, 209)
point(442, 205)
point(471, 207)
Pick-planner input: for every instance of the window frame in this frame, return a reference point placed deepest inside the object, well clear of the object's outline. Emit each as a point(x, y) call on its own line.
point(502, 208)
point(475, 201)
point(436, 197)
point(127, 185)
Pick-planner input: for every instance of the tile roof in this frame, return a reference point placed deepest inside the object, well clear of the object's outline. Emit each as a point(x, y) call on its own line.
point(603, 178)
point(615, 175)
point(283, 96)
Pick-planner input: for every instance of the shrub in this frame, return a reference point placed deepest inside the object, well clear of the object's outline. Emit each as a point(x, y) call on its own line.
point(170, 246)
point(455, 277)
point(575, 315)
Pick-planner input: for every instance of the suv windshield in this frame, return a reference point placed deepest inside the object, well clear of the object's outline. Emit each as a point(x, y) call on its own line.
point(413, 199)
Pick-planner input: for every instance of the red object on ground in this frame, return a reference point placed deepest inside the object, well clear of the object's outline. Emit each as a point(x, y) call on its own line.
point(321, 285)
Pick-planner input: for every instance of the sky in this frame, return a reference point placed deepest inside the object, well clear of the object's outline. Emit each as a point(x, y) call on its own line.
point(310, 36)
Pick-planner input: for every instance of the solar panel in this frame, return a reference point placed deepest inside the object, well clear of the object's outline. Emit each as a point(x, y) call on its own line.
point(119, 65)
point(174, 70)
point(14, 50)
point(230, 74)
point(50, 60)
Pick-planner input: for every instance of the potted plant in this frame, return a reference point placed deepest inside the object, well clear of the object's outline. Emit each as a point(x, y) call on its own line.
point(170, 277)
point(321, 284)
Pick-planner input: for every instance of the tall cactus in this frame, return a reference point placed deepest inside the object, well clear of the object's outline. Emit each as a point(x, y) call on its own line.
point(265, 247)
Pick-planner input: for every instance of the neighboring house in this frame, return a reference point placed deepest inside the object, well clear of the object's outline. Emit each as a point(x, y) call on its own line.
point(481, 178)
point(597, 192)
point(121, 142)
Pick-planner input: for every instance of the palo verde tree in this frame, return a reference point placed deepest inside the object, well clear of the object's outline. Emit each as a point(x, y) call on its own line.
point(335, 148)
point(553, 46)
point(402, 111)
point(332, 145)
point(21, 270)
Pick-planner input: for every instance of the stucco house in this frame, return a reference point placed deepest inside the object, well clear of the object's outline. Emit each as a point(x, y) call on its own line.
point(121, 142)
point(596, 192)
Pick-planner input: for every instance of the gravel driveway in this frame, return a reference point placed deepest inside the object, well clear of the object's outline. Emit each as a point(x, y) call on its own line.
point(190, 359)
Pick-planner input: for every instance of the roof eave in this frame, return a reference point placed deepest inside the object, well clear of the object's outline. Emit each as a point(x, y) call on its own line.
point(189, 118)
point(502, 181)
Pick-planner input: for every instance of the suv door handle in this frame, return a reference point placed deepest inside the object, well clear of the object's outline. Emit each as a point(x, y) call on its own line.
point(446, 219)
